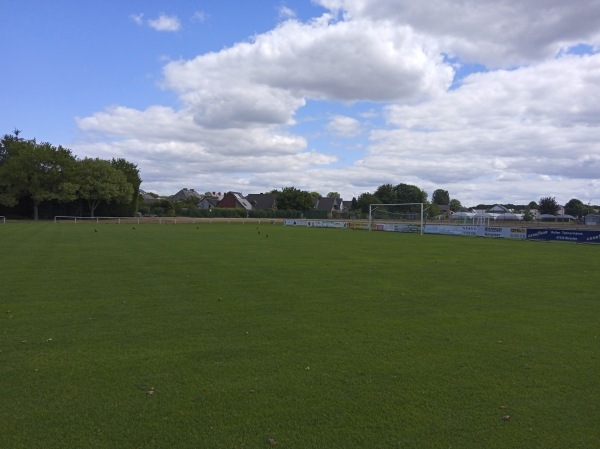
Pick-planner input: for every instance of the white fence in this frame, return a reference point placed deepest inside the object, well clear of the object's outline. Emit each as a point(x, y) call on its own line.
point(116, 220)
point(161, 220)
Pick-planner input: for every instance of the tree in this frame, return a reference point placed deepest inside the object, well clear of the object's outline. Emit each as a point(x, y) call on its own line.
point(440, 197)
point(132, 174)
point(433, 211)
point(407, 193)
point(291, 198)
point(333, 195)
point(100, 181)
point(40, 172)
point(548, 205)
point(455, 205)
point(387, 194)
point(576, 208)
point(364, 199)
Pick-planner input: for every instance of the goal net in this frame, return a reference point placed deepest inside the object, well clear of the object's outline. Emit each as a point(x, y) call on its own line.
point(397, 217)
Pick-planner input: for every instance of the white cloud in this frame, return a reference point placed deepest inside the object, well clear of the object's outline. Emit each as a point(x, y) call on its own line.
point(497, 33)
point(341, 61)
point(199, 16)
point(344, 126)
point(507, 125)
point(138, 18)
point(509, 135)
point(286, 12)
point(165, 23)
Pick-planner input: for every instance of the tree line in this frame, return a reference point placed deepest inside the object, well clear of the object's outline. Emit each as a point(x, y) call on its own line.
point(294, 203)
point(292, 198)
point(35, 175)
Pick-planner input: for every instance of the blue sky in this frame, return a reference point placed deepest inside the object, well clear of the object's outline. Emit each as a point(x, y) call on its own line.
point(492, 101)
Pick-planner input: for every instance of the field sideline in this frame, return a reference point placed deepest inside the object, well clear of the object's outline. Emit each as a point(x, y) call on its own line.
point(259, 335)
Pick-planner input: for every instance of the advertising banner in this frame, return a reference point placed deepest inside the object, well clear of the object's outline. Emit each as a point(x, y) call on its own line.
point(315, 223)
point(563, 235)
point(444, 229)
point(476, 231)
point(390, 227)
point(547, 234)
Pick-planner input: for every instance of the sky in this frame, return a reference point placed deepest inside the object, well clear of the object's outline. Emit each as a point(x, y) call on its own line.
point(495, 101)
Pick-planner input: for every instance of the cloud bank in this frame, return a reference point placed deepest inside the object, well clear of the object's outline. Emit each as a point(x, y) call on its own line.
point(526, 125)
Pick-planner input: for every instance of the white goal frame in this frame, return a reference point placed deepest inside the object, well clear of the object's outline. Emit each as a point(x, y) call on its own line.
point(373, 208)
point(3, 219)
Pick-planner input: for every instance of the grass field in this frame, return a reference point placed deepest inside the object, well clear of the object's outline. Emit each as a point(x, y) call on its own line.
point(216, 336)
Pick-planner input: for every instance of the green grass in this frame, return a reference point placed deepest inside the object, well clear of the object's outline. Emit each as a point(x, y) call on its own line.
point(317, 338)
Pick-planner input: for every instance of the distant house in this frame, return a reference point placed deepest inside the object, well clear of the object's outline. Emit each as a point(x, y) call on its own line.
point(445, 211)
point(234, 200)
point(330, 205)
point(347, 205)
point(185, 194)
point(262, 201)
point(147, 197)
point(208, 202)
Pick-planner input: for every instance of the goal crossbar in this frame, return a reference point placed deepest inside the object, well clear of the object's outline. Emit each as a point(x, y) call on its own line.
point(373, 207)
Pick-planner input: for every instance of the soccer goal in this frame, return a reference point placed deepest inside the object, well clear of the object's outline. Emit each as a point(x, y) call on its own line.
point(398, 217)
point(3, 219)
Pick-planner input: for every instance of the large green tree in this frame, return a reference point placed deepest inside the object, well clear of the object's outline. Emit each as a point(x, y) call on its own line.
point(440, 197)
point(455, 205)
point(433, 211)
point(577, 208)
point(291, 198)
point(387, 194)
point(548, 205)
point(364, 199)
point(36, 171)
point(132, 174)
point(100, 181)
point(407, 193)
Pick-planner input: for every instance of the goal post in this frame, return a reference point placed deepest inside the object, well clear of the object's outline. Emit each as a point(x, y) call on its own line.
point(397, 212)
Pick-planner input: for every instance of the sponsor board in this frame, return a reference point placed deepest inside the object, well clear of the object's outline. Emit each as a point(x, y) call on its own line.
point(390, 227)
point(563, 235)
point(476, 231)
point(315, 223)
point(443, 229)
point(361, 225)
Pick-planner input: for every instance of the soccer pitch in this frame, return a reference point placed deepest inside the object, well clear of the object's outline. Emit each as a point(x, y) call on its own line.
point(249, 336)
